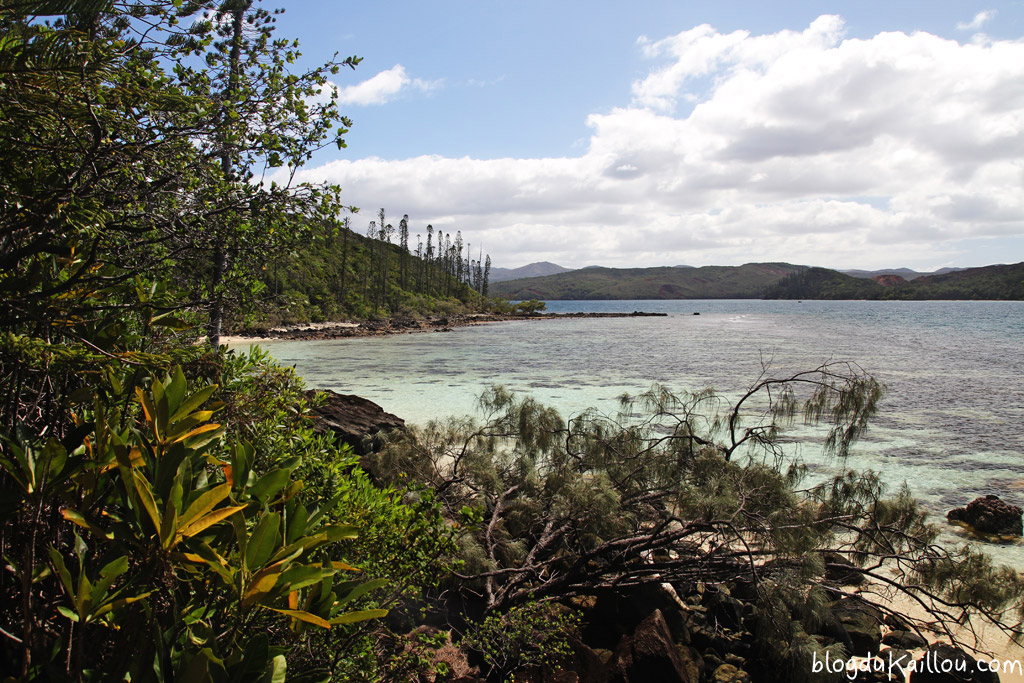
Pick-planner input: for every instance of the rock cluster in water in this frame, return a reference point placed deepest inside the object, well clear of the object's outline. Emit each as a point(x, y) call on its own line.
point(989, 515)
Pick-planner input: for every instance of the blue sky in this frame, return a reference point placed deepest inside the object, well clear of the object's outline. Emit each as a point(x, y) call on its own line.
point(858, 134)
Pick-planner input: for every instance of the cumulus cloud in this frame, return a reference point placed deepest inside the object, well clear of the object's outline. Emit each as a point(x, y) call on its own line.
point(382, 88)
point(803, 146)
point(980, 19)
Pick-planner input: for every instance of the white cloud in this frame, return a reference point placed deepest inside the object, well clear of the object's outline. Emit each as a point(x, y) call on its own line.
point(382, 88)
point(802, 146)
point(980, 19)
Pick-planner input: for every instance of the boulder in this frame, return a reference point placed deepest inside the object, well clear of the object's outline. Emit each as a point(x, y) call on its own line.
point(861, 623)
point(724, 611)
point(650, 655)
point(617, 613)
point(353, 420)
point(841, 571)
point(904, 640)
point(947, 664)
point(587, 663)
point(989, 515)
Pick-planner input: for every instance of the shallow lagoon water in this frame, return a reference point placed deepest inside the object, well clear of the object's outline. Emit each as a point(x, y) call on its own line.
point(950, 424)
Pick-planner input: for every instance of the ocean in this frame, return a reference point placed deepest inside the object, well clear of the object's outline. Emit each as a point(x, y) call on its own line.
point(951, 424)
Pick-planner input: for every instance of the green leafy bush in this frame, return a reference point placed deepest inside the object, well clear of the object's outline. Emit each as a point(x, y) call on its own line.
point(163, 560)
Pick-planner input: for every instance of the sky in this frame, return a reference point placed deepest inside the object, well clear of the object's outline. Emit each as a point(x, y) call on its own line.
point(840, 134)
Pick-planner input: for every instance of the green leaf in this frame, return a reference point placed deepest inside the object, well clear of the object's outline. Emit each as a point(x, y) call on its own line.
point(276, 670)
point(77, 518)
point(175, 390)
point(297, 522)
point(169, 523)
point(263, 541)
point(69, 613)
point(341, 532)
point(194, 401)
point(301, 576)
point(269, 484)
point(204, 503)
point(108, 574)
point(360, 590)
point(146, 498)
point(362, 615)
point(62, 571)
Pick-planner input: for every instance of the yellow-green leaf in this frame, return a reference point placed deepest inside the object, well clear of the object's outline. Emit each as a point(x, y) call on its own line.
point(361, 615)
point(307, 617)
point(209, 520)
point(204, 503)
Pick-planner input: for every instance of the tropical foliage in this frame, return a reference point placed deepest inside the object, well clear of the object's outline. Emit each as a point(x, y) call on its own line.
point(154, 523)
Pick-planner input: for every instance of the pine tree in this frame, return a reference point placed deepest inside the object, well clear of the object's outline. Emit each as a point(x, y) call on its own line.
point(403, 242)
point(344, 260)
point(487, 275)
point(429, 261)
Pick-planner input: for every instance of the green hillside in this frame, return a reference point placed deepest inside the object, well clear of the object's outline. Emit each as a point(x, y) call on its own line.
point(822, 283)
point(339, 273)
point(710, 282)
point(989, 282)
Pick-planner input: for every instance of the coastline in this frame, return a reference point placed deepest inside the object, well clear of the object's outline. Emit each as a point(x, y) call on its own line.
point(389, 326)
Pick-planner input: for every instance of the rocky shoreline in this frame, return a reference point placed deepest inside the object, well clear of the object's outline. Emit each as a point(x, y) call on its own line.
point(701, 633)
point(386, 326)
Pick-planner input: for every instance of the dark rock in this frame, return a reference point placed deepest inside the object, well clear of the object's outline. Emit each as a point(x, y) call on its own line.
point(591, 666)
point(839, 570)
point(724, 610)
point(617, 613)
point(353, 420)
point(990, 515)
point(711, 642)
point(904, 640)
point(861, 623)
point(947, 664)
point(896, 622)
point(650, 655)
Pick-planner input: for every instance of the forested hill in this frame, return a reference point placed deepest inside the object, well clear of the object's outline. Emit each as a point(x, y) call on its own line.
point(988, 282)
point(338, 272)
point(710, 282)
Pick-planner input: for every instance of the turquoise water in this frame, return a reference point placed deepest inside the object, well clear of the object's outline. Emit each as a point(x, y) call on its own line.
point(950, 424)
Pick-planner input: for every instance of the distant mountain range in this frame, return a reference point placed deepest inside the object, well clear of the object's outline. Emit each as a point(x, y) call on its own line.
point(532, 270)
point(905, 273)
point(667, 282)
point(765, 280)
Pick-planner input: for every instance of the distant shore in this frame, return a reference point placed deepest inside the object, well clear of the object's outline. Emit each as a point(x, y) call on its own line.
point(386, 326)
